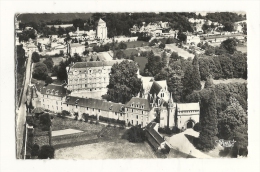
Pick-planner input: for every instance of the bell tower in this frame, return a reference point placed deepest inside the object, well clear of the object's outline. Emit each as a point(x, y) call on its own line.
point(171, 112)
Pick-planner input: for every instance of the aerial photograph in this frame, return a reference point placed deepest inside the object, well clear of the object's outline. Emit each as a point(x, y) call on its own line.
point(131, 85)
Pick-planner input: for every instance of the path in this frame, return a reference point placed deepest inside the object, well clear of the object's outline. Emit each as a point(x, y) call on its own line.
point(180, 142)
point(21, 111)
point(181, 52)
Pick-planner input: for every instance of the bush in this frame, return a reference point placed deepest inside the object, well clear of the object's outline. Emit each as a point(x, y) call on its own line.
point(91, 121)
point(175, 130)
point(97, 122)
point(135, 134)
point(85, 117)
point(35, 150)
point(197, 127)
point(46, 152)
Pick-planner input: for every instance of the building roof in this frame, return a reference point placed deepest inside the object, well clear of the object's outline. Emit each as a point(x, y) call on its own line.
point(156, 138)
point(95, 63)
point(140, 102)
point(95, 103)
point(101, 21)
point(55, 90)
point(155, 89)
point(188, 106)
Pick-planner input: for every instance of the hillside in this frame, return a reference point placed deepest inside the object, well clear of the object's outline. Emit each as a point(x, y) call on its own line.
point(48, 17)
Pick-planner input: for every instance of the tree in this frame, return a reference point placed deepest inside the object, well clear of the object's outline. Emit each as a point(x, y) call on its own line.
point(135, 134)
point(231, 119)
point(55, 70)
point(123, 82)
point(162, 46)
point(191, 80)
point(209, 82)
point(169, 41)
point(205, 27)
point(228, 26)
point(48, 80)
point(49, 63)
point(122, 46)
point(208, 120)
point(119, 55)
point(182, 37)
point(62, 72)
point(78, 23)
point(35, 57)
point(154, 64)
point(229, 45)
point(46, 152)
point(97, 59)
point(35, 150)
point(175, 56)
point(40, 71)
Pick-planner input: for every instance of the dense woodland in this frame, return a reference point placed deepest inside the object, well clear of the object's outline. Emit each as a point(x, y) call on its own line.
point(120, 23)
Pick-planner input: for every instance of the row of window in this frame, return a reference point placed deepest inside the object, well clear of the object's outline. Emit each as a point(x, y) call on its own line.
point(86, 79)
point(46, 96)
point(48, 106)
point(188, 111)
point(137, 106)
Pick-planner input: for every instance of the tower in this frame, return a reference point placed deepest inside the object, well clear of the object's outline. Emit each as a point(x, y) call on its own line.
point(101, 29)
point(171, 112)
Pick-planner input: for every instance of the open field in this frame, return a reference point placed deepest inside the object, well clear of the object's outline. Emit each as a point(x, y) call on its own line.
point(48, 17)
point(128, 52)
point(142, 62)
point(135, 44)
point(226, 81)
point(116, 149)
point(243, 49)
point(181, 52)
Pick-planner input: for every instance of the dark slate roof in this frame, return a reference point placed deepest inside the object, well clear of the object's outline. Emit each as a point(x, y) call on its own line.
point(139, 101)
point(155, 135)
point(155, 89)
point(95, 103)
point(54, 90)
point(95, 63)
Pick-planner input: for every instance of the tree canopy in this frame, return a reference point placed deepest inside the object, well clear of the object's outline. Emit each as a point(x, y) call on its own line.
point(40, 71)
point(123, 82)
point(35, 57)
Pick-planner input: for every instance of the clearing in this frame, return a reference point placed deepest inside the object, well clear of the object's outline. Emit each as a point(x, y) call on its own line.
point(142, 62)
point(56, 60)
point(182, 143)
point(181, 52)
point(116, 149)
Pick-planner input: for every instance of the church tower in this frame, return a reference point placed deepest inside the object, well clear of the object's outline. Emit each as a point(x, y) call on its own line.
point(101, 29)
point(171, 112)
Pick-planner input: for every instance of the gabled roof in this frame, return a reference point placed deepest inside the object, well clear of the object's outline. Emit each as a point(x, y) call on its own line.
point(155, 89)
point(58, 90)
point(95, 63)
point(101, 21)
point(95, 103)
point(140, 102)
point(155, 136)
point(188, 106)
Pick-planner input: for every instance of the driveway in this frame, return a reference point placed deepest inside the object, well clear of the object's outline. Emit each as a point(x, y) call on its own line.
point(181, 142)
point(181, 52)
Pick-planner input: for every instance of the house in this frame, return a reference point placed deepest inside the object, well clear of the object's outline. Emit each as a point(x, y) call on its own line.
point(139, 112)
point(192, 39)
point(50, 97)
point(60, 25)
point(153, 137)
point(160, 89)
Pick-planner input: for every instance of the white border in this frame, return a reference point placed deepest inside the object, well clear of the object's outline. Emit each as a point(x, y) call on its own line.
point(7, 140)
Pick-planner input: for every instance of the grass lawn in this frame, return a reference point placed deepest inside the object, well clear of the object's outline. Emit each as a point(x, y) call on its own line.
point(129, 51)
point(116, 149)
point(135, 44)
point(243, 49)
point(181, 52)
point(142, 62)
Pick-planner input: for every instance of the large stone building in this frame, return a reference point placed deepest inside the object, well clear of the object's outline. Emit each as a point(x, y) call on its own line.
point(89, 76)
point(101, 29)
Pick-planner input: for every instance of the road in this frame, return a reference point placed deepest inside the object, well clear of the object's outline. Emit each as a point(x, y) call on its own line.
point(21, 111)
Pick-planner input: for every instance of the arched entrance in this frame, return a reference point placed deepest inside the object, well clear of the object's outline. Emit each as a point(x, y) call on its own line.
point(190, 124)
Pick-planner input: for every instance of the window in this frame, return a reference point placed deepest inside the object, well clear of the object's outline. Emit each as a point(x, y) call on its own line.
point(142, 112)
point(57, 107)
point(132, 105)
point(142, 106)
point(76, 106)
point(61, 103)
point(61, 108)
point(126, 109)
point(120, 114)
point(98, 110)
point(132, 110)
point(137, 106)
point(93, 109)
point(115, 113)
point(56, 102)
point(47, 96)
point(136, 122)
point(42, 100)
point(48, 106)
point(136, 116)
point(67, 105)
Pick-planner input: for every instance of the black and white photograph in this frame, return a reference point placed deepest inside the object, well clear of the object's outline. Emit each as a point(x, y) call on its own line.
point(129, 86)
